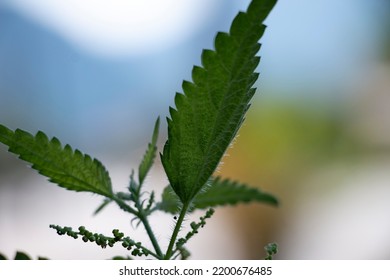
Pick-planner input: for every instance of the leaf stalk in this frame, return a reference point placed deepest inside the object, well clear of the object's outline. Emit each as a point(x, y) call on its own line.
point(179, 222)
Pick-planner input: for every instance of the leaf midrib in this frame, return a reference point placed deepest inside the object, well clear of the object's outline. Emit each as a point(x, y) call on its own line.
point(219, 111)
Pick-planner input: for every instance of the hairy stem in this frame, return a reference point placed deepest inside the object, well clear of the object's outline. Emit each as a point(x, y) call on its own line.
point(150, 233)
point(179, 222)
point(142, 216)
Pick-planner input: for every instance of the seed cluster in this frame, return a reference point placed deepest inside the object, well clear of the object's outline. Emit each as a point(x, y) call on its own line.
point(103, 241)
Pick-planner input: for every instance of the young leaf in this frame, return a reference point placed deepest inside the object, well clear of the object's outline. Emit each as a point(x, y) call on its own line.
point(221, 192)
point(22, 256)
point(121, 258)
point(102, 206)
point(170, 202)
point(150, 155)
point(212, 108)
point(67, 168)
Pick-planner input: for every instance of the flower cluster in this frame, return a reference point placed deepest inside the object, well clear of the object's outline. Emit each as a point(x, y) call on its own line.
point(103, 241)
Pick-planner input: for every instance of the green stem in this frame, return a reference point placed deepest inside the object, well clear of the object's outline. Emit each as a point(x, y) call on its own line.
point(141, 215)
point(179, 222)
point(150, 233)
point(144, 219)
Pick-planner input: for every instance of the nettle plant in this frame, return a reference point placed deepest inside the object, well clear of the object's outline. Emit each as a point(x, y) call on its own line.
point(200, 129)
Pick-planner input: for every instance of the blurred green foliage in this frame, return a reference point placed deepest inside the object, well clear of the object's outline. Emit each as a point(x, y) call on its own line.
point(284, 140)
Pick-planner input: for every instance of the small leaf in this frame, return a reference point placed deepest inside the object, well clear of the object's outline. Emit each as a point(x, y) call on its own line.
point(67, 168)
point(170, 202)
point(102, 206)
point(2, 257)
point(120, 258)
point(150, 155)
point(212, 108)
point(21, 256)
point(221, 192)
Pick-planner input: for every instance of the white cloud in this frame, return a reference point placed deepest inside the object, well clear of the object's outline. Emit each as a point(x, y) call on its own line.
point(120, 27)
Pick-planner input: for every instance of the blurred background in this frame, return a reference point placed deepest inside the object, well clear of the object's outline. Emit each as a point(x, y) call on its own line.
point(96, 74)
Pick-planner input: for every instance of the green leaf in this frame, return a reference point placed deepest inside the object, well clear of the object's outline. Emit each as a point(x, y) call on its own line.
point(170, 202)
point(2, 257)
point(67, 168)
point(121, 258)
point(21, 256)
point(102, 206)
point(212, 108)
point(227, 192)
point(150, 155)
point(219, 193)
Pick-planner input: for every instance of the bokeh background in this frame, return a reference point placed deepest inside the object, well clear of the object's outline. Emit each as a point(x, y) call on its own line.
point(96, 74)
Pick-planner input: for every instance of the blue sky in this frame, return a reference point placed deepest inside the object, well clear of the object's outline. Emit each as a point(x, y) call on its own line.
point(98, 92)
